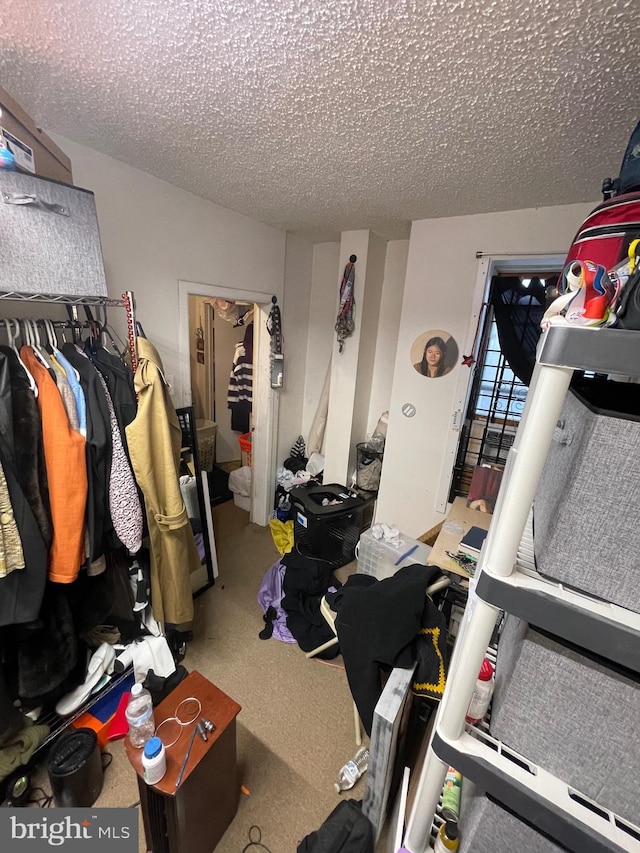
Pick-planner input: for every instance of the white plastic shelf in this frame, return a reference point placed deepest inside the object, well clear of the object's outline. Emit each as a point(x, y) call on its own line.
point(507, 580)
point(600, 350)
point(541, 799)
point(607, 630)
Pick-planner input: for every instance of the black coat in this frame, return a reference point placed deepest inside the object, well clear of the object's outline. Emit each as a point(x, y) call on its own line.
point(98, 452)
point(305, 582)
point(21, 438)
point(119, 379)
point(378, 623)
point(21, 591)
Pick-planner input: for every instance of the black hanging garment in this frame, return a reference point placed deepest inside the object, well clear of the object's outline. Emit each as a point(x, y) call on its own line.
point(98, 453)
point(240, 393)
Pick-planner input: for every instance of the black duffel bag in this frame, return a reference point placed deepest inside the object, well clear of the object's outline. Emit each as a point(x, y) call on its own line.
point(346, 830)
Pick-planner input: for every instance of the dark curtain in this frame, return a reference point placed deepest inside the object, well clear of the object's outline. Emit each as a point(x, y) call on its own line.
point(518, 312)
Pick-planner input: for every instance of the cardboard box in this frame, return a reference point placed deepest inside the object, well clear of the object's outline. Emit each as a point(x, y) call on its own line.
point(34, 151)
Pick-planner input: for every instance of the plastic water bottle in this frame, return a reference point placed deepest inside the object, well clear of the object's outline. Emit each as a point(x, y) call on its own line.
point(353, 770)
point(139, 715)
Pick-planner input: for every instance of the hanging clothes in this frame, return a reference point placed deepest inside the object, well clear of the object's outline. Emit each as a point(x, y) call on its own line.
point(78, 394)
point(64, 450)
point(21, 438)
point(119, 379)
point(21, 592)
point(155, 439)
point(98, 456)
point(68, 399)
point(240, 393)
point(124, 504)
point(11, 553)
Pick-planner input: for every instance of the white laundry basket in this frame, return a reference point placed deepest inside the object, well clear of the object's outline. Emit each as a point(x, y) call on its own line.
point(240, 485)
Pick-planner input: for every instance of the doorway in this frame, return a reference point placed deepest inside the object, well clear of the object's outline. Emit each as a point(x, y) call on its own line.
point(212, 391)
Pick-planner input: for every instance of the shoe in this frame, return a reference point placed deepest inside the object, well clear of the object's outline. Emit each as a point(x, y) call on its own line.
point(100, 664)
point(159, 687)
point(124, 659)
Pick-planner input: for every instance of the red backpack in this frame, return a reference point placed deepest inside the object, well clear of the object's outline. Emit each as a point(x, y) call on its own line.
point(608, 231)
point(601, 244)
point(606, 234)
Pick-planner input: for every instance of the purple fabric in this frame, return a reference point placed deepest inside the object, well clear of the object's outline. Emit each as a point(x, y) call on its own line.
point(199, 540)
point(270, 595)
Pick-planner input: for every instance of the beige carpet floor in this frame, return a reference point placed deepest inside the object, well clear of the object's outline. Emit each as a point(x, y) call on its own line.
point(296, 726)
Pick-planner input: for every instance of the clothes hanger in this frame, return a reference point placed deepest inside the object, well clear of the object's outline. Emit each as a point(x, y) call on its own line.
point(33, 337)
point(49, 345)
point(12, 343)
point(246, 318)
point(51, 335)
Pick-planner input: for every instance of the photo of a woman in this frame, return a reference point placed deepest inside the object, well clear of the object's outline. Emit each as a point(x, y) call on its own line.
point(434, 354)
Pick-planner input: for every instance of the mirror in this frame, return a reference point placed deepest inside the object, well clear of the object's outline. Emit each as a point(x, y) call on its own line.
point(194, 485)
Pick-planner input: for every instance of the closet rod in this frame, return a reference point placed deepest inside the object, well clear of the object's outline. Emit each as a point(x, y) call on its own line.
point(127, 302)
point(63, 299)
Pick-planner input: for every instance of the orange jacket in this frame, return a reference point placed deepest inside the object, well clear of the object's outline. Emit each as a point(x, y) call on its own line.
point(65, 459)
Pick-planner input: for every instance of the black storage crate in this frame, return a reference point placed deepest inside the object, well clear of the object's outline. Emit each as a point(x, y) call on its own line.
point(328, 532)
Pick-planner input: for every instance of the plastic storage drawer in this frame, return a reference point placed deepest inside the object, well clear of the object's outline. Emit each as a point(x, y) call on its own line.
point(485, 827)
point(327, 522)
point(50, 241)
point(569, 714)
point(382, 559)
point(587, 504)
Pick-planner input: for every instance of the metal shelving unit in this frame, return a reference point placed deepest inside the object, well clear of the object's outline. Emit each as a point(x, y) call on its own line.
point(507, 580)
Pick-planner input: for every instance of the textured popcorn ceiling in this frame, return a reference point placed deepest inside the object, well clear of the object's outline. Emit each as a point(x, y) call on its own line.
point(325, 115)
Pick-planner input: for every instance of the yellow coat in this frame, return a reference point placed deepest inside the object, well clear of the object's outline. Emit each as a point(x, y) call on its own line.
point(154, 438)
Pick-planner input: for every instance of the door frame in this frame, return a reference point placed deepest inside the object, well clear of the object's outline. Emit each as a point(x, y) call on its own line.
point(265, 399)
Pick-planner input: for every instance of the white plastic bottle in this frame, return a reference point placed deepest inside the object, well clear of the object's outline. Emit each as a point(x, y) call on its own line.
point(139, 715)
point(353, 770)
point(482, 693)
point(154, 761)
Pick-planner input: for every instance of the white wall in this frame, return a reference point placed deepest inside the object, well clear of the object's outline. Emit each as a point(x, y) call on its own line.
point(441, 273)
point(154, 234)
point(368, 315)
point(344, 366)
point(387, 333)
point(295, 321)
point(325, 284)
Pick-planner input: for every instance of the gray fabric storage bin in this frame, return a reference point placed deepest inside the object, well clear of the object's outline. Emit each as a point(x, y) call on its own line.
point(50, 241)
point(487, 828)
point(573, 717)
point(586, 509)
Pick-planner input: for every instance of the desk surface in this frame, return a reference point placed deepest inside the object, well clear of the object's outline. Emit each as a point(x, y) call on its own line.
point(216, 706)
point(449, 540)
